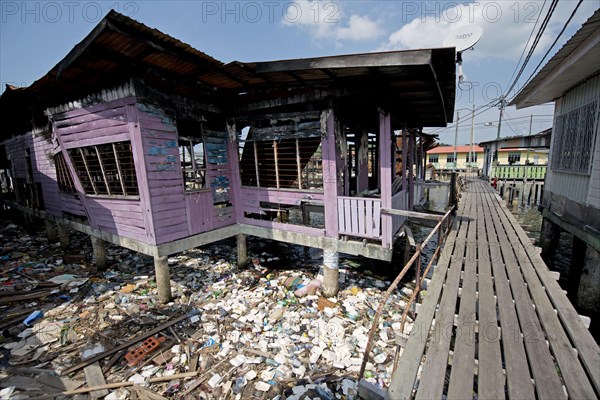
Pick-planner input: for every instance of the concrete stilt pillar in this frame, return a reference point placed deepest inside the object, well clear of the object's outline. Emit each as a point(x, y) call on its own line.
point(163, 279)
point(242, 250)
point(331, 272)
point(99, 250)
point(63, 237)
point(549, 236)
point(588, 294)
point(51, 231)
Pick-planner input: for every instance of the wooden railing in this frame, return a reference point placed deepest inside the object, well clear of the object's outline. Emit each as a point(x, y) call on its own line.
point(399, 202)
point(360, 217)
point(442, 228)
point(519, 171)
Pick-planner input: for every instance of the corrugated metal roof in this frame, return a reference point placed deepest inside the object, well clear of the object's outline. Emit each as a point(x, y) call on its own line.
point(459, 149)
point(545, 132)
point(417, 86)
point(538, 91)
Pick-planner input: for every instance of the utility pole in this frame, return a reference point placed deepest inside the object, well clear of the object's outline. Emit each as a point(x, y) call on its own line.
point(502, 103)
point(472, 153)
point(495, 154)
point(456, 138)
point(527, 159)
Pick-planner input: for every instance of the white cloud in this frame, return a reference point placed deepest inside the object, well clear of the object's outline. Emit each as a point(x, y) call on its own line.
point(326, 21)
point(507, 25)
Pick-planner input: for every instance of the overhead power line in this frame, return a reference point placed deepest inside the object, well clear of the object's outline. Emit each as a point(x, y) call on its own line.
point(536, 40)
point(527, 44)
point(555, 41)
point(515, 121)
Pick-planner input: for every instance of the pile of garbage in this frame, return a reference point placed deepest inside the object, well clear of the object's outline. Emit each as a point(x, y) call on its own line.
point(263, 331)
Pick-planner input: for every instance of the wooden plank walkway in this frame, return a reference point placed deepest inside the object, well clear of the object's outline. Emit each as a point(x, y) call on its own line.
point(494, 323)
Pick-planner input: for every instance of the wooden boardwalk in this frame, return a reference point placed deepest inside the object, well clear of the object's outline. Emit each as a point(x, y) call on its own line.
point(494, 322)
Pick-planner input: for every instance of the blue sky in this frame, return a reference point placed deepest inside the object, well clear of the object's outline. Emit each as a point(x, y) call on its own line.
point(34, 36)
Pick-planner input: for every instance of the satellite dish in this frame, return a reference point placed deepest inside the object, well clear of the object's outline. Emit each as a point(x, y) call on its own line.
point(464, 38)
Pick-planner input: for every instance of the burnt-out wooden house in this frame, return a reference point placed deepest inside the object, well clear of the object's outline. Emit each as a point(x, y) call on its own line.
point(138, 139)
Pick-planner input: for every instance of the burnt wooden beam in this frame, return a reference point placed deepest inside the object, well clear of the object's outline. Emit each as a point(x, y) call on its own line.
point(439, 91)
point(295, 76)
point(396, 58)
point(80, 48)
point(330, 74)
point(285, 116)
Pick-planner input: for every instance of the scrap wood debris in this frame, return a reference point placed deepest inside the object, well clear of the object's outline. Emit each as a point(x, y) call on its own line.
point(262, 332)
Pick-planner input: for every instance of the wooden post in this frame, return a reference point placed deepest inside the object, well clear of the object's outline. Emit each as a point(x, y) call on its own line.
point(549, 237)
point(385, 172)
point(578, 250)
point(453, 194)
point(409, 165)
point(99, 250)
point(330, 271)
point(418, 274)
point(29, 224)
point(362, 162)
point(588, 293)
point(163, 279)
point(331, 189)
point(404, 157)
point(242, 250)
point(51, 231)
point(63, 237)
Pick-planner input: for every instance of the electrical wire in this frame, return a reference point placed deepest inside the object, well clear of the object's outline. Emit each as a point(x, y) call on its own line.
point(507, 121)
point(536, 40)
point(442, 129)
point(553, 43)
point(527, 44)
point(479, 110)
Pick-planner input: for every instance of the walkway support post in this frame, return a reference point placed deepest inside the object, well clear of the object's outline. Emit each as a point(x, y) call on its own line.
point(51, 232)
point(63, 237)
point(453, 198)
point(331, 259)
point(242, 250)
point(163, 279)
point(99, 250)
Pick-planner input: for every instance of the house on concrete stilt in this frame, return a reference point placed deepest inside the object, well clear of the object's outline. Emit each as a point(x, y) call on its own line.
point(138, 139)
point(571, 199)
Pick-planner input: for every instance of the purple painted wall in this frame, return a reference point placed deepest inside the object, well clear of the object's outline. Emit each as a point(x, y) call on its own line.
point(42, 164)
point(163, 211)
point(94, 125)
point(174, 213)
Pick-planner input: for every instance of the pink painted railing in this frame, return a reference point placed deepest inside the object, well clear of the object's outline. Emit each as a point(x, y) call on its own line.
point(360, 217)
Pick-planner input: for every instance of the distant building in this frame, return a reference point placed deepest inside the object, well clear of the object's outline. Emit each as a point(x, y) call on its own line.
point(443, 157)
point(525, 155)
point(504, 151)
point(571, 201)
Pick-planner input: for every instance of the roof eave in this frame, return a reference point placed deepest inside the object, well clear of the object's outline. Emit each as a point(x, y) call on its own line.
point(566, 68)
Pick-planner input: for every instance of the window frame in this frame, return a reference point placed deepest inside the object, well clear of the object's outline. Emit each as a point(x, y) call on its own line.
point(573, 139)
point(190, 143)
point(515, 156)
point(305, 178)
point(99, 178)
point(65, 181)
